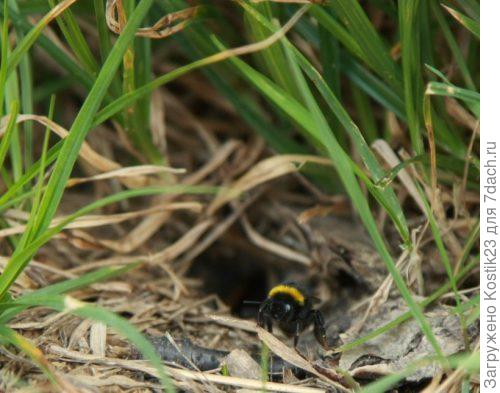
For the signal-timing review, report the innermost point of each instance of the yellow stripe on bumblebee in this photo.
(288, 290)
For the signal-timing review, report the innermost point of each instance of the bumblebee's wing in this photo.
(314, 299)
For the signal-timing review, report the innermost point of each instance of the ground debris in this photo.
(396, 349)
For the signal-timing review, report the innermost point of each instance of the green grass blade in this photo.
(95, 313)
(4, 41)
(471, 98)
(352, 130)
(66, 286)
(371, 44)
(28, 175)
(374, 87)
(52, 50)
(28, 232)
(465, 21)
(9, 130)
(76, 41)
(410, 51)
(320, 132)
(273, 58)
(84, 119)
(29, 39)
(452, 43)
(335, 28)
(21, 256)
(9, 335)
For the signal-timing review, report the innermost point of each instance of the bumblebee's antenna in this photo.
(251, 302)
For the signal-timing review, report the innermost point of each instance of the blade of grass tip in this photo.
(34, 353)
(30, 38)
(343, 165)
(83, 121)
(464, 20)
(21, 256)
(28, 232)
(469, 97)
(96, 313)
(452, 43)
(410, 53)
(7, 136)
(66, 286)
(392, 173)
(407, 315)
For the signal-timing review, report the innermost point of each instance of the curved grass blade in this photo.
(83, 121)
(95, 313)
(390, 200)
(313, 122)
(21, 257)
(9, 335)
(470, 97)
(66, 286)
(371, 44)
(465, 21)
(30, 38)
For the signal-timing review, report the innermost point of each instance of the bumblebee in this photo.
(292, 309)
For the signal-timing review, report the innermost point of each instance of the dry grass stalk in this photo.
(116, 19)
(179, 374)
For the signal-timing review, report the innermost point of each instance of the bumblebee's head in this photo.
(280, 310)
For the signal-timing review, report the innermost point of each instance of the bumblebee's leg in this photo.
(319, 329)
(269, 325)
(262, 314)
(296, 335)
(263, 319)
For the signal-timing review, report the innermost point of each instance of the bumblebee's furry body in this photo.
(292, 309)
